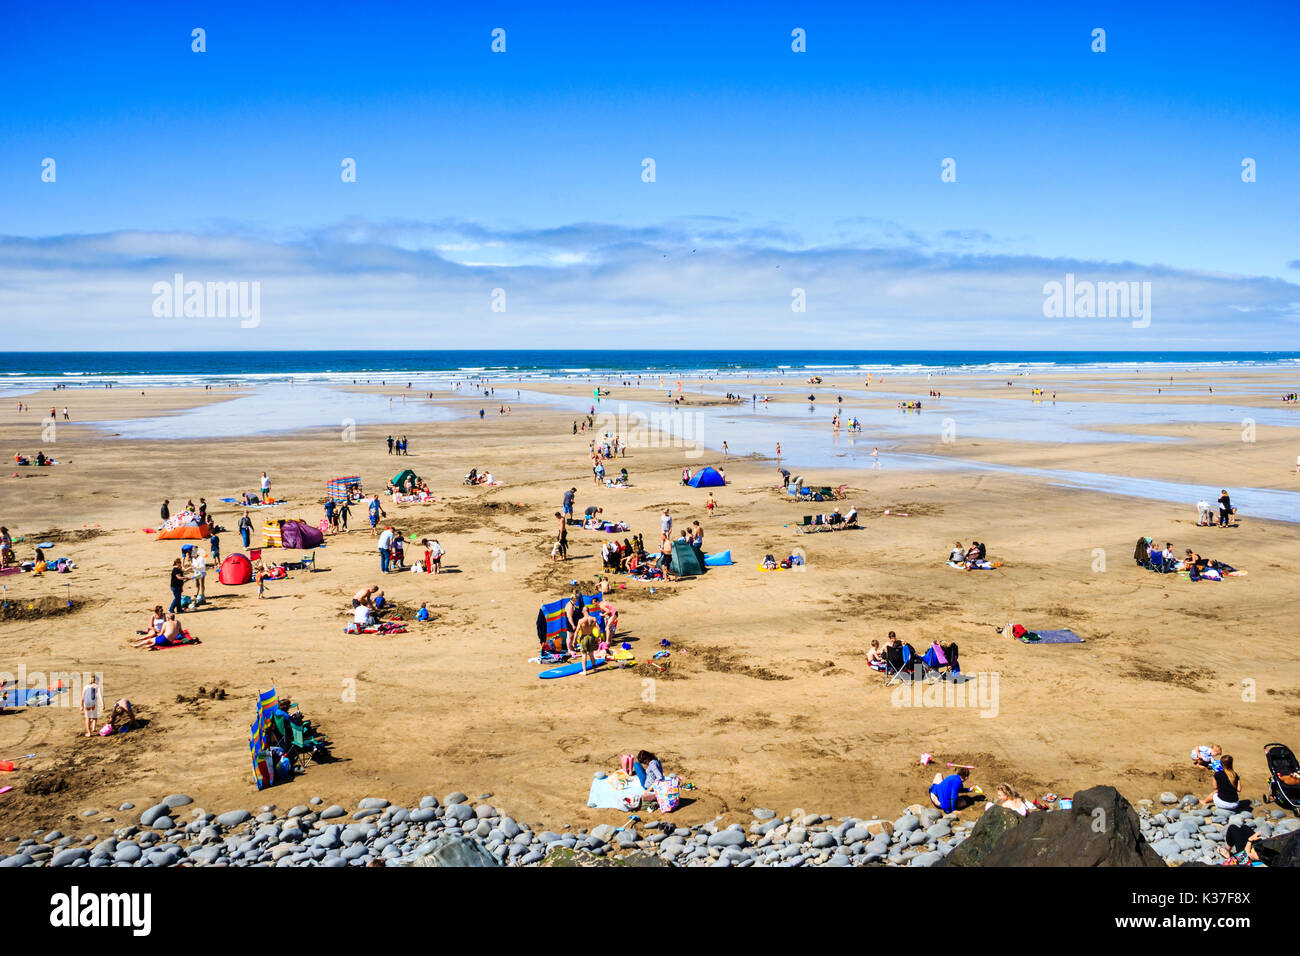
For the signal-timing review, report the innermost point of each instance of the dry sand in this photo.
(768, 701)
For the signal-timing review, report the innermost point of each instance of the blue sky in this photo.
(523, 170)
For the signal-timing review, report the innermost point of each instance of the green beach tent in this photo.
(399, 479)
(685, 561)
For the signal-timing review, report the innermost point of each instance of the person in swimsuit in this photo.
(90, 705)
(587, 637)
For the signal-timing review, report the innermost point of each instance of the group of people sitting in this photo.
(971, 559)
(163, 630)
(474, 478)
(900, 657)
(910, 406)
(410, 489)
(835, 521)
(622, 558)
(1147, 554)
(21, 459)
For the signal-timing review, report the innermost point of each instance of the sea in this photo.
(24, 370)
(288, 391)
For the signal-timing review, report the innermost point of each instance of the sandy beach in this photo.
(768, 700)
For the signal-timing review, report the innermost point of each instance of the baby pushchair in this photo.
(1282, 763)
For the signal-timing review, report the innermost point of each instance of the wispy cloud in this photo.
(687, 282)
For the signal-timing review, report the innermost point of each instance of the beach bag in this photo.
(106, 730)
(1018, 630)
(627, 763)
(668, 794)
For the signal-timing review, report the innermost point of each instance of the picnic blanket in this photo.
(977, 566)
(610, 792)
(1063, 636)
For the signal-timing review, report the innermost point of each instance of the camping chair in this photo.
(308, 562)
(254, 554)
(936, 660)
(826, 491)
(840, 494)
(806, 527)
(302, 744)
(897, 665)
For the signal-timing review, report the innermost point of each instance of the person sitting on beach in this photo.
(1009, 798)
(1227, 786)
(362, 616)
(875, 653)
(649, 770)
(171, 630)
(957, 554)
(1207, 756)
(851, 519)
(156, 621)
(950, 793)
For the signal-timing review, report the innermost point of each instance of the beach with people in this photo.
(752, 685)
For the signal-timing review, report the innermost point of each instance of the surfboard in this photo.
(566, 670)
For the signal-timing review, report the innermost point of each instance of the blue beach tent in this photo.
(706, 478)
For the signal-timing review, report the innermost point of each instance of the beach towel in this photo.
(617, 791)
(185, 640)
(1063, 636)
(31, 696)
(977, 566)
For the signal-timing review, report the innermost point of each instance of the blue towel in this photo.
(1064, 636)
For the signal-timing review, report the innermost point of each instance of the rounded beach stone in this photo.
(452, 799)
(178, 800)
(332, 812)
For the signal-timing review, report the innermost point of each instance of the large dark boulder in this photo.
(450, 851)
(1280, 851)
(1101, 830)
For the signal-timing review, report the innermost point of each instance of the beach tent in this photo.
(686, 562)
(184, 525)
(550, 619)
(236, 569)
(295, 533)
(706, 478)
(337, 488)
(399, 479)
(185, 531)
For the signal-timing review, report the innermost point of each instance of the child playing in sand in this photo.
(1207, 756)
(261, 584)
(710, 504)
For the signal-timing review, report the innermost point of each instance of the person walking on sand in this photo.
(199, 565)
(65, 413)
(724, 451)
(245, 529)
(177, 585)
(710, 504)
(90, 704)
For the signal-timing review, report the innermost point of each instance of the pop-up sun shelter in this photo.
(299, 534)
(686, 562)
(337, 488)
(236, 569)
(183, 525)
(706, 478)
(399, 479)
